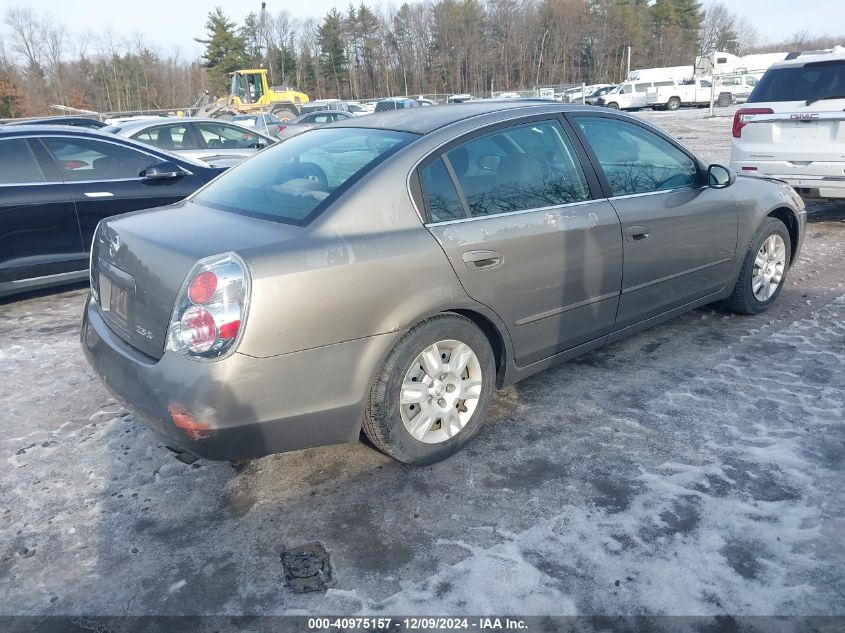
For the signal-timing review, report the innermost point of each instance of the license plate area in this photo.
(116, 294)
(114, 298)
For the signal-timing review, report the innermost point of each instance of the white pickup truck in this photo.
(691, 92)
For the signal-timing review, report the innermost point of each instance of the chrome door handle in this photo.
(637, 233)
(482, 260)
(98, 194)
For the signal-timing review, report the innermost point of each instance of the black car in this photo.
(57, 183)
(76, 121)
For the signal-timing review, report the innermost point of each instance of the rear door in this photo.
(173, 137)
(680, 235)
(516, 215)
(39, 231)
(105, 179)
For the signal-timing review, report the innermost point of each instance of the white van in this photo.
(631, 95)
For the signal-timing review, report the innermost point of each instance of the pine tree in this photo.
(333, 51)
(225, 49)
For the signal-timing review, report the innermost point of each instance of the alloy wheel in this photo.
(440, 391)
(769, 266)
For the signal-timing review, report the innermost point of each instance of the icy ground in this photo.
(696, 468)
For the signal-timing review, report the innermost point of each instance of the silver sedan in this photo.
(209, 140)
(388, 272)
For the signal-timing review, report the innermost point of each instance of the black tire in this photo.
(724, 100)
(284, 112)
(382, 420)
(742, 300)
(612, 105)
(673, 104)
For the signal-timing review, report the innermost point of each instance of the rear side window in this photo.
(292, 182)
(441, 199)
(169, 137)
(17, 164)
(523, 167)
(817, 80)
(636, 160)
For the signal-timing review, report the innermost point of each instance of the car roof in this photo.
(40, 129)
(837, 53)
(36, 131)
(426, 120)
(50, 120)
(136, 125)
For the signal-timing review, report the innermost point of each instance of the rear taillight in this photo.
(210, 310)
(282, 127)
(744, 115)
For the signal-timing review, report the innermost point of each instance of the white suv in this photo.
(793, 125)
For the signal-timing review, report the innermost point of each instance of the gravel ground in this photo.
(694, 469)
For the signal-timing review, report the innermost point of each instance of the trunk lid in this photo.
(139, 262)
(797, 132)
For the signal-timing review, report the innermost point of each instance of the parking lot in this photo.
(695, 468)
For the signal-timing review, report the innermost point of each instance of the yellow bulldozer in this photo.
(251, 93)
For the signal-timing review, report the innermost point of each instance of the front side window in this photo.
(626, 90)
(86, 159)
(636, 160)
(221, 136)
(522, 167)
(292, 182)
(17, 164)
(169, 137)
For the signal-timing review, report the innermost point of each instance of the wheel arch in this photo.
(494, 335)
(785, 215)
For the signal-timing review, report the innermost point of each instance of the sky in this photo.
(172, 24)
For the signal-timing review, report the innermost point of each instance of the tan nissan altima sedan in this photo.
(390, 271)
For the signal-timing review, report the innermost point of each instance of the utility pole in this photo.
(629, 63)
(266, 36)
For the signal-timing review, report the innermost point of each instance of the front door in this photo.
(105, 179)
(514, 212)
(679, 234)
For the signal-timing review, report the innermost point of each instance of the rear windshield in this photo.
(801, 83)
(293, 181)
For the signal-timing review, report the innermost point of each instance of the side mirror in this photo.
(720, 177)
(164, 171)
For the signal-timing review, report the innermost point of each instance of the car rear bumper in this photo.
(815, 180)
(239, 407)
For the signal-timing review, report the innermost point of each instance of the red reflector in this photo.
(749, 169)
(282, 127)
(230, 330)
(203, 287)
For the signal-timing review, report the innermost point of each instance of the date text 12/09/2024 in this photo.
(417, 624)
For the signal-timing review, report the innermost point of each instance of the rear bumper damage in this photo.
(239, 407)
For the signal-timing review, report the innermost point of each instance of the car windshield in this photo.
(293, 182)
(809, 82)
